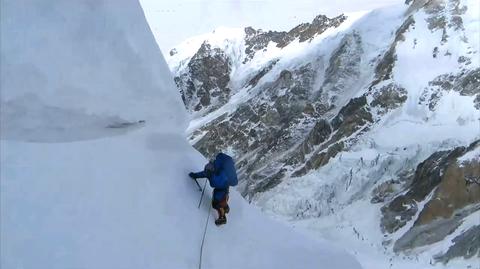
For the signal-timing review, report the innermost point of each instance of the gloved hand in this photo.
(192, 175)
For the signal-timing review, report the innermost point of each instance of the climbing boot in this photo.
(221, 220)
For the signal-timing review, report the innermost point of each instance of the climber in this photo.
(221, 174)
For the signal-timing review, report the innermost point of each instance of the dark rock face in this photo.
(429, 173)
(466, 245)
(467, 83)
(307, 31)
(257, 40)
(453, 192)
(354, 111)
(389, 97)
(452, 199)
(319, 134)
(397, 214)
(435, 231)
(204, 86)
(439, 19)
(427, 176)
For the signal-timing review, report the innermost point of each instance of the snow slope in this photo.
(94, 156)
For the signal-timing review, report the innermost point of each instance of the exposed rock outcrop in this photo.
(204, 85)
(466, 83)
(257, 40)
(450, 199)
(465, 245)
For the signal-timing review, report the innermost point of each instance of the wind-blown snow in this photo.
(94, 156)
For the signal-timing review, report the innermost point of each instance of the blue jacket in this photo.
(217, 181)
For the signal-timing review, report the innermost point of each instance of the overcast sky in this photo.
(173, 21)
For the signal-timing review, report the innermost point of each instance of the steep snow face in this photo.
(94, 157)
(126, 202)
(67, 76)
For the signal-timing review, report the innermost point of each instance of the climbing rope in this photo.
(206, 225)
(203, 191)
(203, 239)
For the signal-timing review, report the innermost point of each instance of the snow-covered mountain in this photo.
(363, 128)
(94, 157)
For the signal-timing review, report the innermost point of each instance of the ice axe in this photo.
(199, 188)
(194, 179)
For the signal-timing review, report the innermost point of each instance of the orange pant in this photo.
(220, 204)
